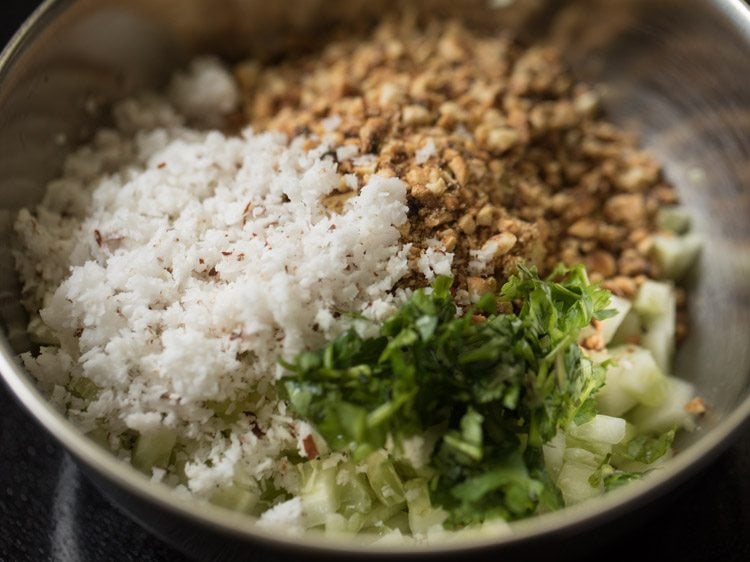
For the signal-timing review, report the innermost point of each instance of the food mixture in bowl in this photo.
(410, 284)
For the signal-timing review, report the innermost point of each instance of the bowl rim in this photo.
(561, 523)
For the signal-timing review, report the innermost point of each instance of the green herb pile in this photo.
(493, 386)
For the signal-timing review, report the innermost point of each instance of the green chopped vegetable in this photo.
(318, 492)
(668, 415)
(647, 449)
(675, 219)
(500, 388)
(633, 377)
(676, 254)
(153, 449)
(384, 480)
(619, 478)
(422, 515)
(656, 304)
(84, 388)
(235, 498)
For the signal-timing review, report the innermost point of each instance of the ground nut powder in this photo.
(505, 157)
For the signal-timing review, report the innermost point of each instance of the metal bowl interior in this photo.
(676, 76)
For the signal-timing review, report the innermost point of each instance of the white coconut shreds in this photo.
(173, 267)
(435, 260)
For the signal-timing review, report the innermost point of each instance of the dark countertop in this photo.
(49, 511)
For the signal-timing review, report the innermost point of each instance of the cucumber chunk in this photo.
(384, 479)
(628, 330)
(597, 448)
(318, 494)
(610, 325)
(99, 435)
(669, 414)
(612, 400)
(422, 515)
(153, 449)
(658, 338)
(354, 492)
(399, 522)
(381, 513)
(653, 299)
(674, 219)
(83, 388)
(335, 524)
(676, 254)
(632, 378)
(583, 457)
(235, 498)
(600, 429)
(656, 304)
(574, 483)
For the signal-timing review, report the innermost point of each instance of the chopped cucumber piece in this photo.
(632, 378)
(669, 414)
(385, 535)
(355, 523)
(583, 457)
(656, 304)
(83, 388)
(610, 325)
(399, 522)
(381, 513)
(384, 479)
(630, 433)
(675, 219)
(597, 448)
(339, 498)
(676, 255)
(318, 493)
(629, 329)
(653, 299)
(153, 449)
(235, 498)
(574, 483)
(659, 339)
(336, 524)
(612, 400)
(601, 429)
(353, 491)
(422, 515)
(99, 435)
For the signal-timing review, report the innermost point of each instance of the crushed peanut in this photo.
(497, 145)
(696, 406)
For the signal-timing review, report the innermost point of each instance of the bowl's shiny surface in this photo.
(677, 75)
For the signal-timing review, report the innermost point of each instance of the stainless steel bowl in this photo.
(679, 74)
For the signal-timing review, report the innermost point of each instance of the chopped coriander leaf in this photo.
(647, 449)
(499, 388)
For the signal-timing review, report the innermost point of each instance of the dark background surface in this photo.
(49, 511)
